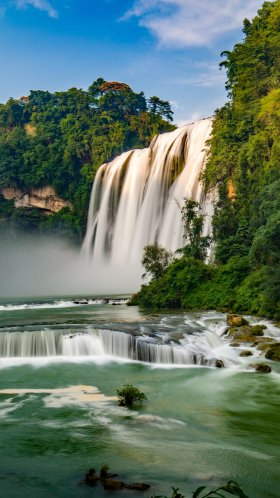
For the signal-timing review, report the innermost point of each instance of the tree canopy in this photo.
(243, 165)
(61, 138)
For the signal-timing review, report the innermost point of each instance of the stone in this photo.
(138, 486)
(234, 344)
(258, 329)
(261, 367)
(273, 352)
(263, 346)
(246, 353)
(236, 320)
(91, 477)
(219, 364)
(245, 333)
(113, 484)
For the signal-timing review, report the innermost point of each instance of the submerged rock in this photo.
(236, 320)
(91, 477)
(113, 484)
(138, 486)
(261, 367)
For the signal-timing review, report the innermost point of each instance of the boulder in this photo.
(113, 484)
(263, 346)
(234, 344)
(138, 486)
(261, 367)
(246, 353)
(273, 352)
(236, 320)
(258, 329)
(245, 333)
(219, 364)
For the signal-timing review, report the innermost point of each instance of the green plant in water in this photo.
(175, 494)
(231, 488)
(129, 394)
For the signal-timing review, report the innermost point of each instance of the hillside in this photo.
(51, 145)
(244, 164)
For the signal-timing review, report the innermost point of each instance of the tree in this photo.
(197, 244)
(156, 260)
(161, 107)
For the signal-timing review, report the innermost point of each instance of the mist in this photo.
(40, 266)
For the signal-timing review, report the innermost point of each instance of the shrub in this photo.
(128, 394)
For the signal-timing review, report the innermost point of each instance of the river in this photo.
(200, 425)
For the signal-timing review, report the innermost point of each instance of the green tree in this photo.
(156, 260)
(196, 243)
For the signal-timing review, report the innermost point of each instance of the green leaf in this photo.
(198, 491)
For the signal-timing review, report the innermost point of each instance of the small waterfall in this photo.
(99, 342)
(136, 201)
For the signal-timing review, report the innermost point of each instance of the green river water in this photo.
(200, 425)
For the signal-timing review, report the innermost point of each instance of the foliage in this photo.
(231, 488)
(245, 151)
(61, 138)
(129, 394)
(196, 244)
(243, 167)
(155, 260)
(175, 494)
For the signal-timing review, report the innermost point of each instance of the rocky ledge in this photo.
(241, 333)
(44, 198)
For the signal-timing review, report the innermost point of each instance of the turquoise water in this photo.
(199, 426)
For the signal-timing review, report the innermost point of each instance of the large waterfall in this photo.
(136, 201)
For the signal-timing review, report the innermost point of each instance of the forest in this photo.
(243, 164)
(60, 139)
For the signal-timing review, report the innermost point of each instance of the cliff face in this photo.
(44, 198)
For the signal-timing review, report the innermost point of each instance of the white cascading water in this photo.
(136, 200)
(194, 349)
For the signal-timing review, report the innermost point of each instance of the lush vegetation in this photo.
(244, 165)
(60, 139)
(129, 394)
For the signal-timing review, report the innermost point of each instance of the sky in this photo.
(168, 48)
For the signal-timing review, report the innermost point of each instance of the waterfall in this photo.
(136, 201)
(91, 343)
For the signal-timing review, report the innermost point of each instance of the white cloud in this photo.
(204, 75)
(43, 5)
(182, 23)
(196, 116)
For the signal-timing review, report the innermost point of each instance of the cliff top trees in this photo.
(61, 138)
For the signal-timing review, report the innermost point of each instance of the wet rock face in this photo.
(236, 320)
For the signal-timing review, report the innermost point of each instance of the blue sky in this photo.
(168, 48)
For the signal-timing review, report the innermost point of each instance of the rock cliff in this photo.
(44, 198)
